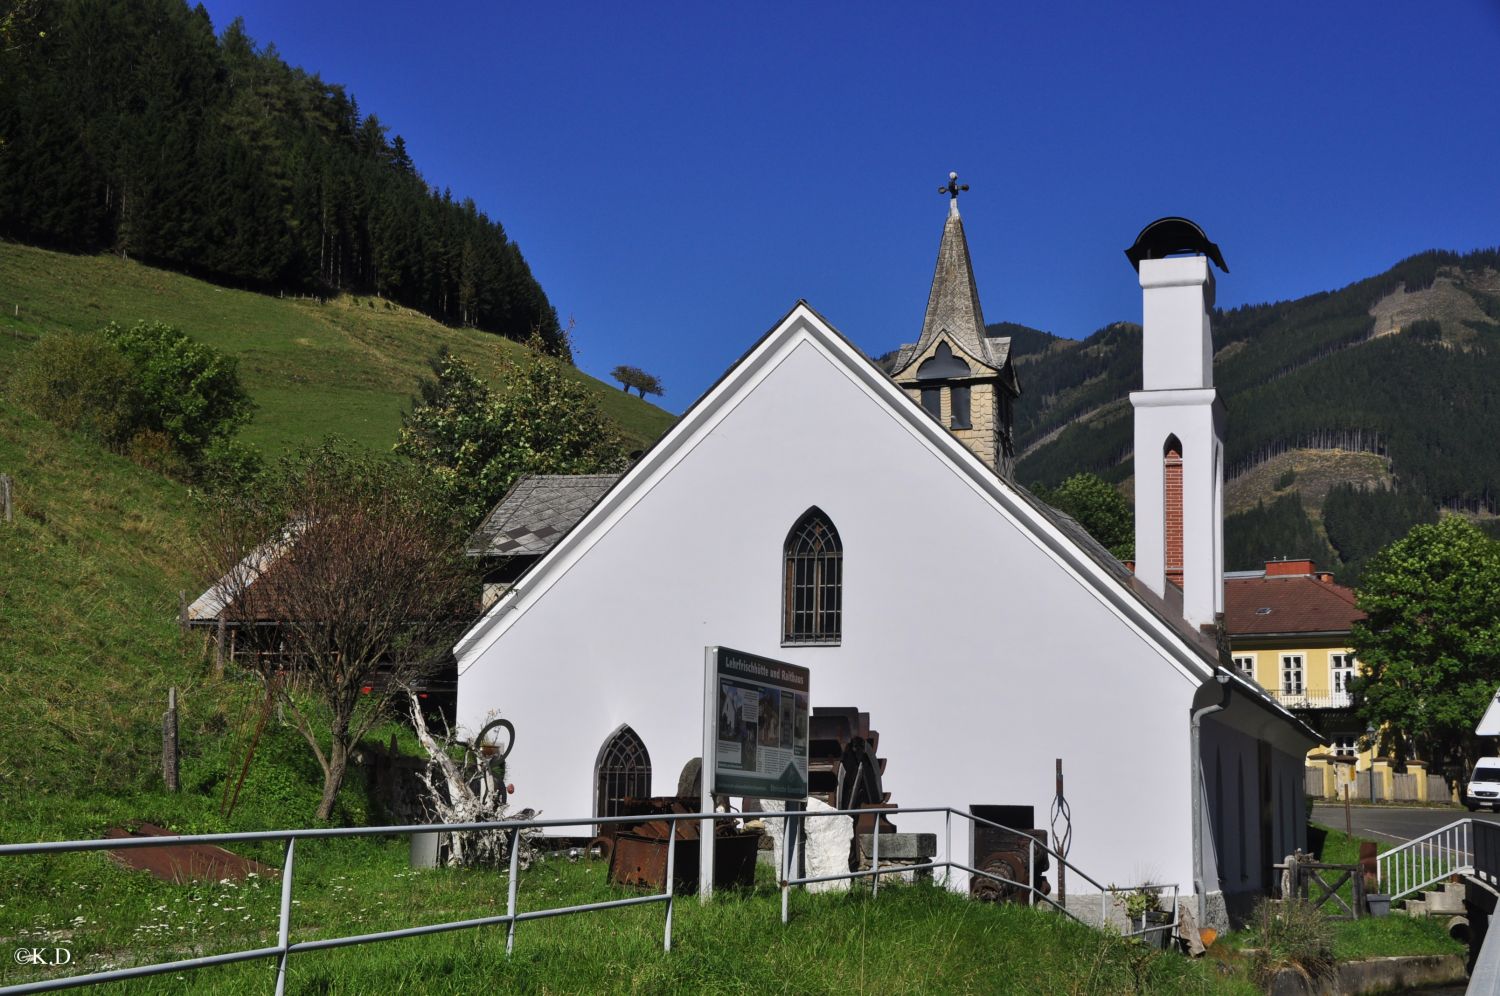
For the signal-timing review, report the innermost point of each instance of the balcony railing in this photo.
(1312, 700)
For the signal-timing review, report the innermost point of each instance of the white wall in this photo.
(979, 658)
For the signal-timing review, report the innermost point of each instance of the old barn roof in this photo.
(536, 512)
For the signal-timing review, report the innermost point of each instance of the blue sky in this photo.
(678, 175)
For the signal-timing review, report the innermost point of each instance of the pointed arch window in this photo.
(813, 597)
(621, 771)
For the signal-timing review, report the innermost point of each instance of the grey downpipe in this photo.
(1199, 886)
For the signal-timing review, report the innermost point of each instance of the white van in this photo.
(1484, 785)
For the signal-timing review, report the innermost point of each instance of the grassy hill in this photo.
(348, 366)
(92, 567)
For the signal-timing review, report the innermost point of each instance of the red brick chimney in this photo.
(1172, 500)
(1288, 568)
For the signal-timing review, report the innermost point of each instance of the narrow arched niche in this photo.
(1171, 490)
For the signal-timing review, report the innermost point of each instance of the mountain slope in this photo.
(350, 365)
(1403, 367)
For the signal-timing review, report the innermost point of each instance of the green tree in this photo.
(1430, 649)
(1099, 508)
(191, 393)
(477, 441)
(637, 378)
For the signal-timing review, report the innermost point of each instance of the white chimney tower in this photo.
(1179, 422)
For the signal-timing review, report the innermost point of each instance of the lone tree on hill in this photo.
(637, 378)
(476, 442)
(1430, 649)
(345, 582)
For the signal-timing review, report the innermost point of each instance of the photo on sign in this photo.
(770, 717)
(788, 718)
(739, 708)
(799, 720)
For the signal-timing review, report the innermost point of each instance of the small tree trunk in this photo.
(338, 761)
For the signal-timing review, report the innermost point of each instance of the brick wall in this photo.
(1172, 488)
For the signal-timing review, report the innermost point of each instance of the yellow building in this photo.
(1289, 631)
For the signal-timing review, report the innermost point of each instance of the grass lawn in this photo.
(910, 939)
(348, 366)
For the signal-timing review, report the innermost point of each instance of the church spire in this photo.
(953, 303)
(961, 377)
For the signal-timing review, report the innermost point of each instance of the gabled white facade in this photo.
(981, 639)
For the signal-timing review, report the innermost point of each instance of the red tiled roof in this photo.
(1299, 604)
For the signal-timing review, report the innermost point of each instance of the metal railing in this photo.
(792, 836)
(1464, 847)
(1312, 700)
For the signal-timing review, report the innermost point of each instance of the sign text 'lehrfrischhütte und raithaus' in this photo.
(761, 726)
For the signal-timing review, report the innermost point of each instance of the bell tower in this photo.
(962, 377)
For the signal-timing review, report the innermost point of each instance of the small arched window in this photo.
(813, 598)
(621, 771)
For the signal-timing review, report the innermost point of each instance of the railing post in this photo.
(875, 860)
(284, 929)
(510, 902)
(1031, 871)
(786, 858)
(948, 846)
(666, 943)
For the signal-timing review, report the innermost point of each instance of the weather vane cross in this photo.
(952, 189)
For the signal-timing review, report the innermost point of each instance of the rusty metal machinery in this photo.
(1008, 853)
(844, 769)
(637, 852)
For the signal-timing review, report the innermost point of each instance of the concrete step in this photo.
(1415, 907)
(1445, 901)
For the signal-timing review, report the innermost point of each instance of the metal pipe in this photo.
(666, 943)
(138, 971)
(284, 928)
(1031, 869)
(511, 887)
(786, 860)
(1199, 886)
(948, 846)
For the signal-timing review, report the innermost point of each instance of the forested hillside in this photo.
(131, 127)
(1404, 366)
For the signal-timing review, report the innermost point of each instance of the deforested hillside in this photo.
(1403, 368)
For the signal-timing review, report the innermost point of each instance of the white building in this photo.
(985, 633)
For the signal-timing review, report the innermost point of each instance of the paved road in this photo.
(1394, 823)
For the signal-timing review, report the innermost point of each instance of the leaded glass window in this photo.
(813, 599)
(621, 771)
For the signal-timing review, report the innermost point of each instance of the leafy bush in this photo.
(81, 383)
(150, 391)
(190, 392)
(1291, 934)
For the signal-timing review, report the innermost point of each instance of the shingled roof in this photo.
(1264, 604)
(536, 512)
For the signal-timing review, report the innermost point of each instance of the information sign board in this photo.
(758, 742)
